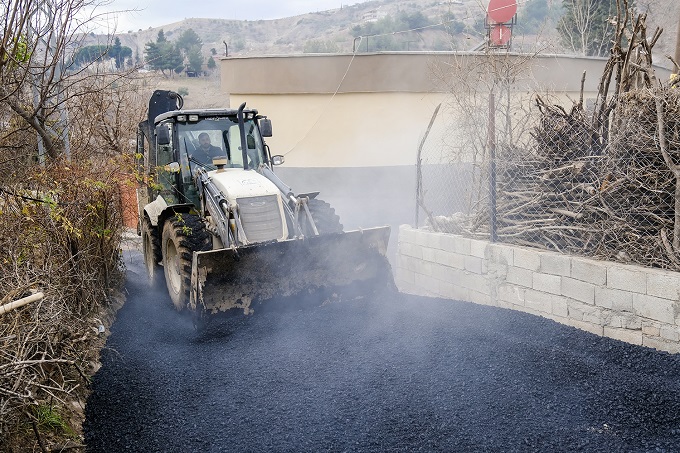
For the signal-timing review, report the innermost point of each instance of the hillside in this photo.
(290, 34)
(334, 30)
(464, 30)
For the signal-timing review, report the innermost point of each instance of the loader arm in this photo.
(218, 207)
(297, 203)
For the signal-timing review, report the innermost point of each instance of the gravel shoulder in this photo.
(404, 374)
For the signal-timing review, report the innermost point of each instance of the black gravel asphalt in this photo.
(391, 374)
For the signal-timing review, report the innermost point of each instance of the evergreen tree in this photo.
(171, 58)
(152, 55)
(195, 59)
(162, 55)
(211, 63)
(88, 54)
(119, 53)
(115, 50)
(533, 17)
(413, 20)
(188, 40)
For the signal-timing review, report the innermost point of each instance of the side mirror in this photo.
(266, 127)
(278, 159)
(162, 134)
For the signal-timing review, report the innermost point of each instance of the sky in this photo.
(136, 14)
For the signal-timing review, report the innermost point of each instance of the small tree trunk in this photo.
(661, 127)
(676, 226)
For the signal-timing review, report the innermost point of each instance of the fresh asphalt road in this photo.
(388, 374)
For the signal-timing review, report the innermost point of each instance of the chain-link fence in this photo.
(598, 180)
(454, 163)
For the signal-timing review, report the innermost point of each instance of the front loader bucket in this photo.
(235, 280)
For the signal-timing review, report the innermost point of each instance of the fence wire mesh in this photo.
(600, 180)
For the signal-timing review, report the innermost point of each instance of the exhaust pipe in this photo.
(242, 132)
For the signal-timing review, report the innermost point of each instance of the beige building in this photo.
(351, 125)
(337, 110)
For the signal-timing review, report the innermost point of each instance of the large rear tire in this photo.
(325, 218)
(151, 248)
(183, 235)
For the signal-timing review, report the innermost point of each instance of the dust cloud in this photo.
(363, 197)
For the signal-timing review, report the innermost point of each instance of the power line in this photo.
(354, 53)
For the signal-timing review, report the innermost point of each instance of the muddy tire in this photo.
(325, 218)
(151, 249)
(183, 235)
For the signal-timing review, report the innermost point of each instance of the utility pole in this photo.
(492, 167)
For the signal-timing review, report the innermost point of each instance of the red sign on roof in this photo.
(501, 11)
(500, 35)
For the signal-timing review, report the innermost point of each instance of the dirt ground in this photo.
(203, 92)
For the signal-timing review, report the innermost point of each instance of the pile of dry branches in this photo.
(602, 182)
(544, 192)
(642, 180)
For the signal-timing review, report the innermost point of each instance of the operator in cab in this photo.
(206, 151)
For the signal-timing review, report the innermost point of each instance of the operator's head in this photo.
(204, 140)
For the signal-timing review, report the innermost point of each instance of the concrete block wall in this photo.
(630, 303)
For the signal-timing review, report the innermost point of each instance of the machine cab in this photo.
(187, 140)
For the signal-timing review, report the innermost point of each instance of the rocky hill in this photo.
(334, 30)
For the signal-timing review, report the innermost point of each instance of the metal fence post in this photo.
(420, 203)
(492, 168)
